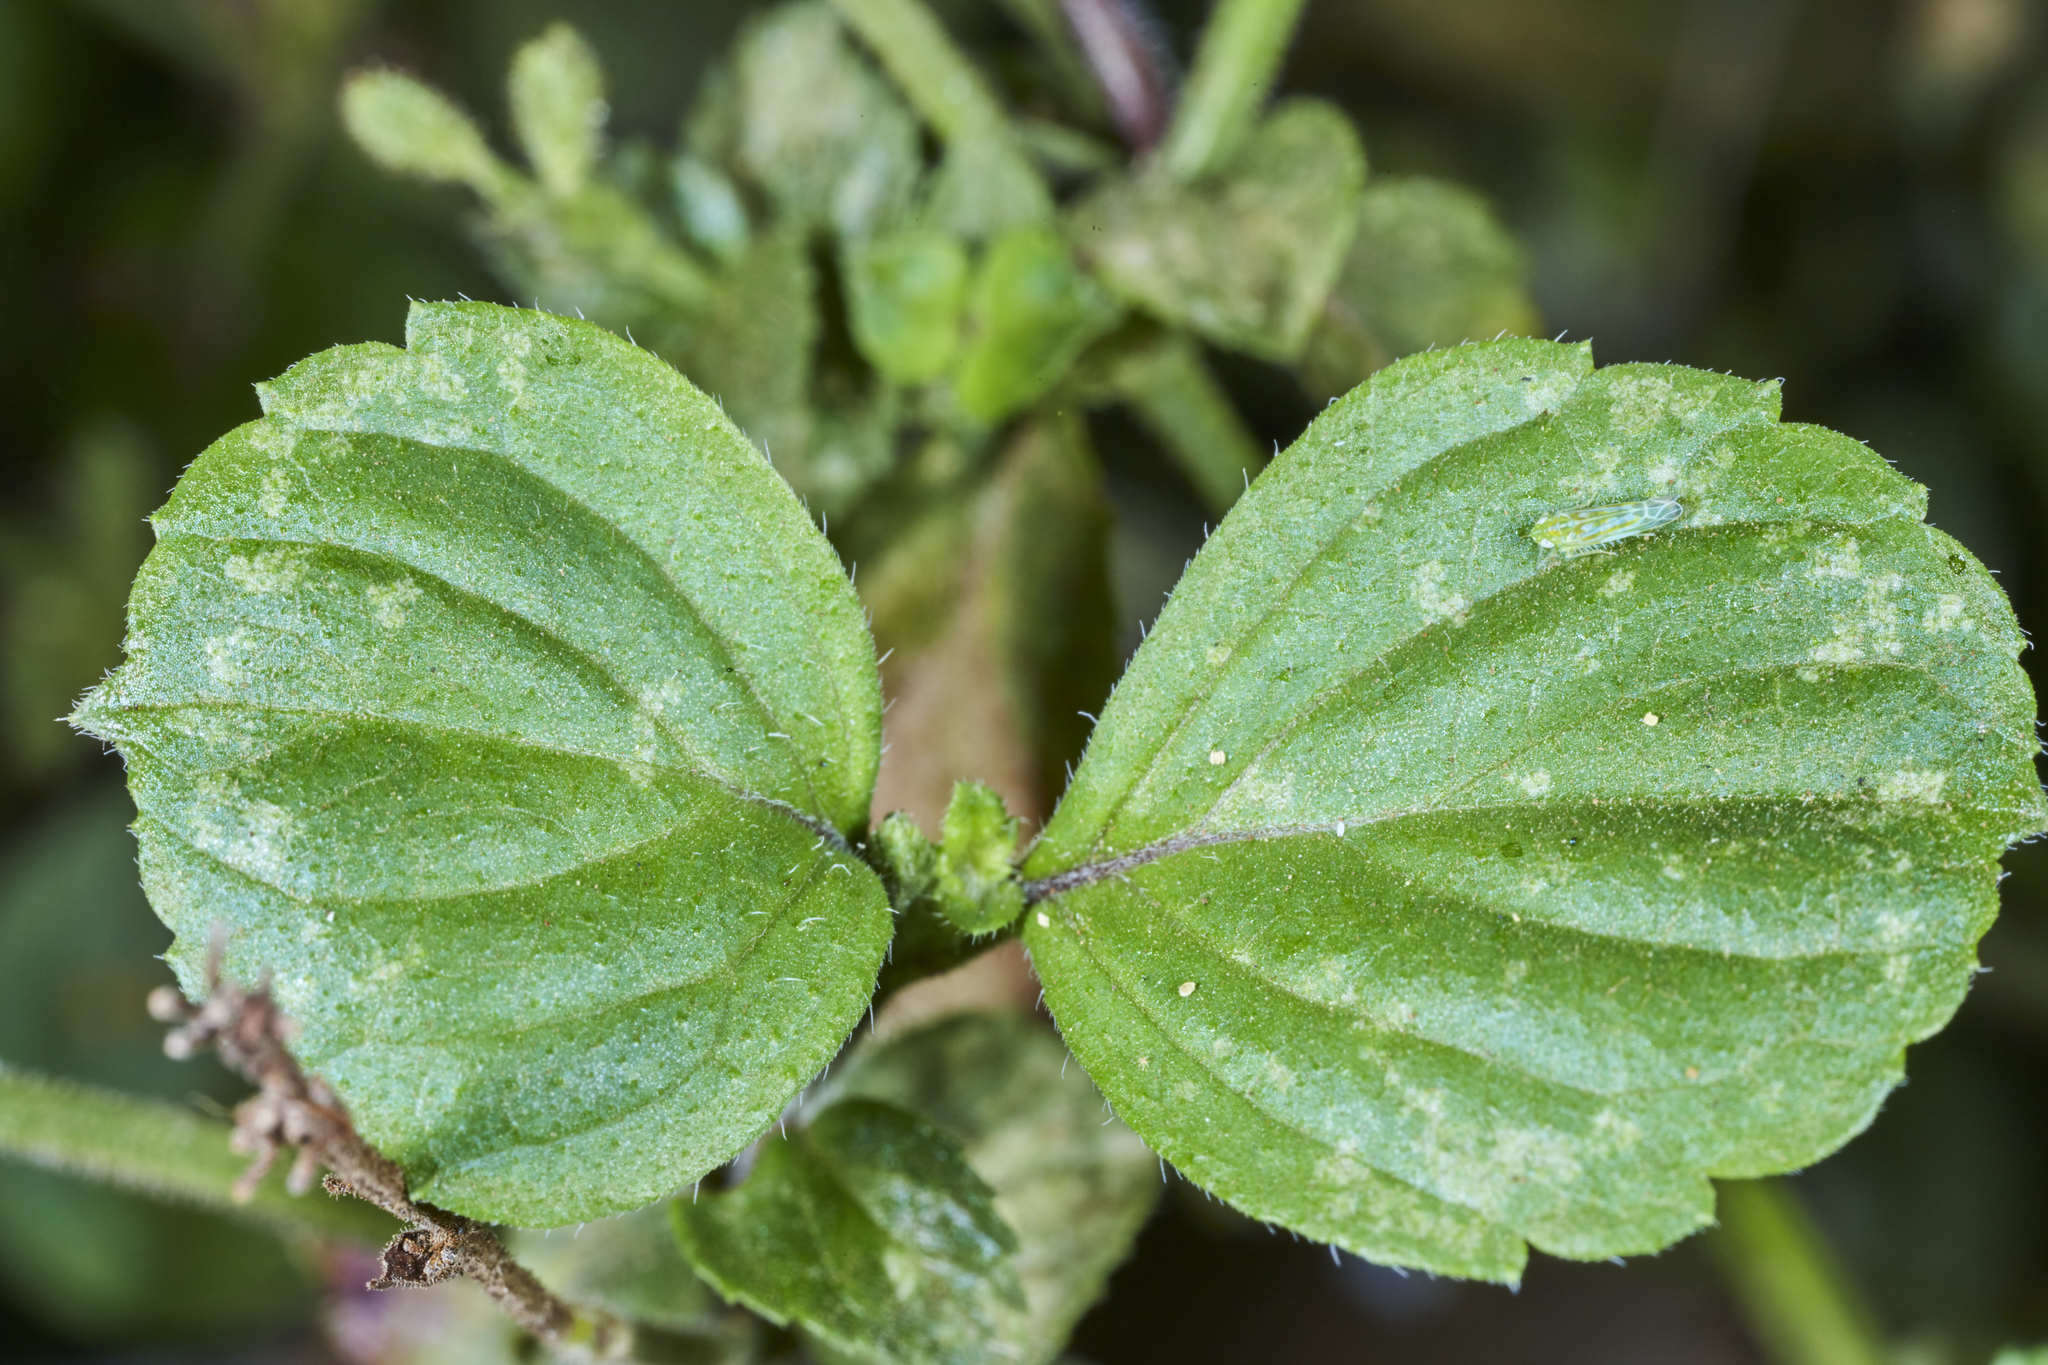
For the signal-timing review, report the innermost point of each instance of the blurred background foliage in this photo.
(1850, 195)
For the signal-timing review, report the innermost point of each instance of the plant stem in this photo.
(936, 76)
(1181, 404)
(292, 1111)
(158, 1149)
(1239, 56)
(1799, 1303)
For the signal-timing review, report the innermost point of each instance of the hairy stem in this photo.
(292, 1111)
(1799, 1304)
(158, 1149)
(1235, 66)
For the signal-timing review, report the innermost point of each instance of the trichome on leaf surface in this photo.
(1422, 890)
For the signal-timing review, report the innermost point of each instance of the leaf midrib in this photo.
(1192, 837)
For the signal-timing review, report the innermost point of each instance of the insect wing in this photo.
(1591, 527)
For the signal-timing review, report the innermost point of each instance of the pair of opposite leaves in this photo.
(1422, 892)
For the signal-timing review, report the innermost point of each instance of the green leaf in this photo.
(1430, 894)
(1036, 312)
(574, 242)
(751, 346)
(1431, 266)
(986, 183)
(504, 704)
(870, 1229)
(809, 121)
(985, 186)
(558, 107)
(597, 250)
(1006, 1136)
(570, 241)
(905, 293)
(755, 346)
(414, 129)
(1075, 1188)
(1245, 257)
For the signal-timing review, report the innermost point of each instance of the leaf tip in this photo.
(93, 714)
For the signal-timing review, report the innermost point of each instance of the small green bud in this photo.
(978, 888)
(909, 862)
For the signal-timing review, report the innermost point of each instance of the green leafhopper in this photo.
(1588, 528)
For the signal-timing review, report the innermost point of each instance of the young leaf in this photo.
(558, 107)
(752, 347)
(1037, 311)
(869, 1228)
(985, 184)
(1431, 266)
(502, 702)
(1246, 257)
(414, 129)
(1432, 894)
(709, 207)
(966, 885)
(596, 250)
(1074, 1188)
(809, 121)
(905, 292)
